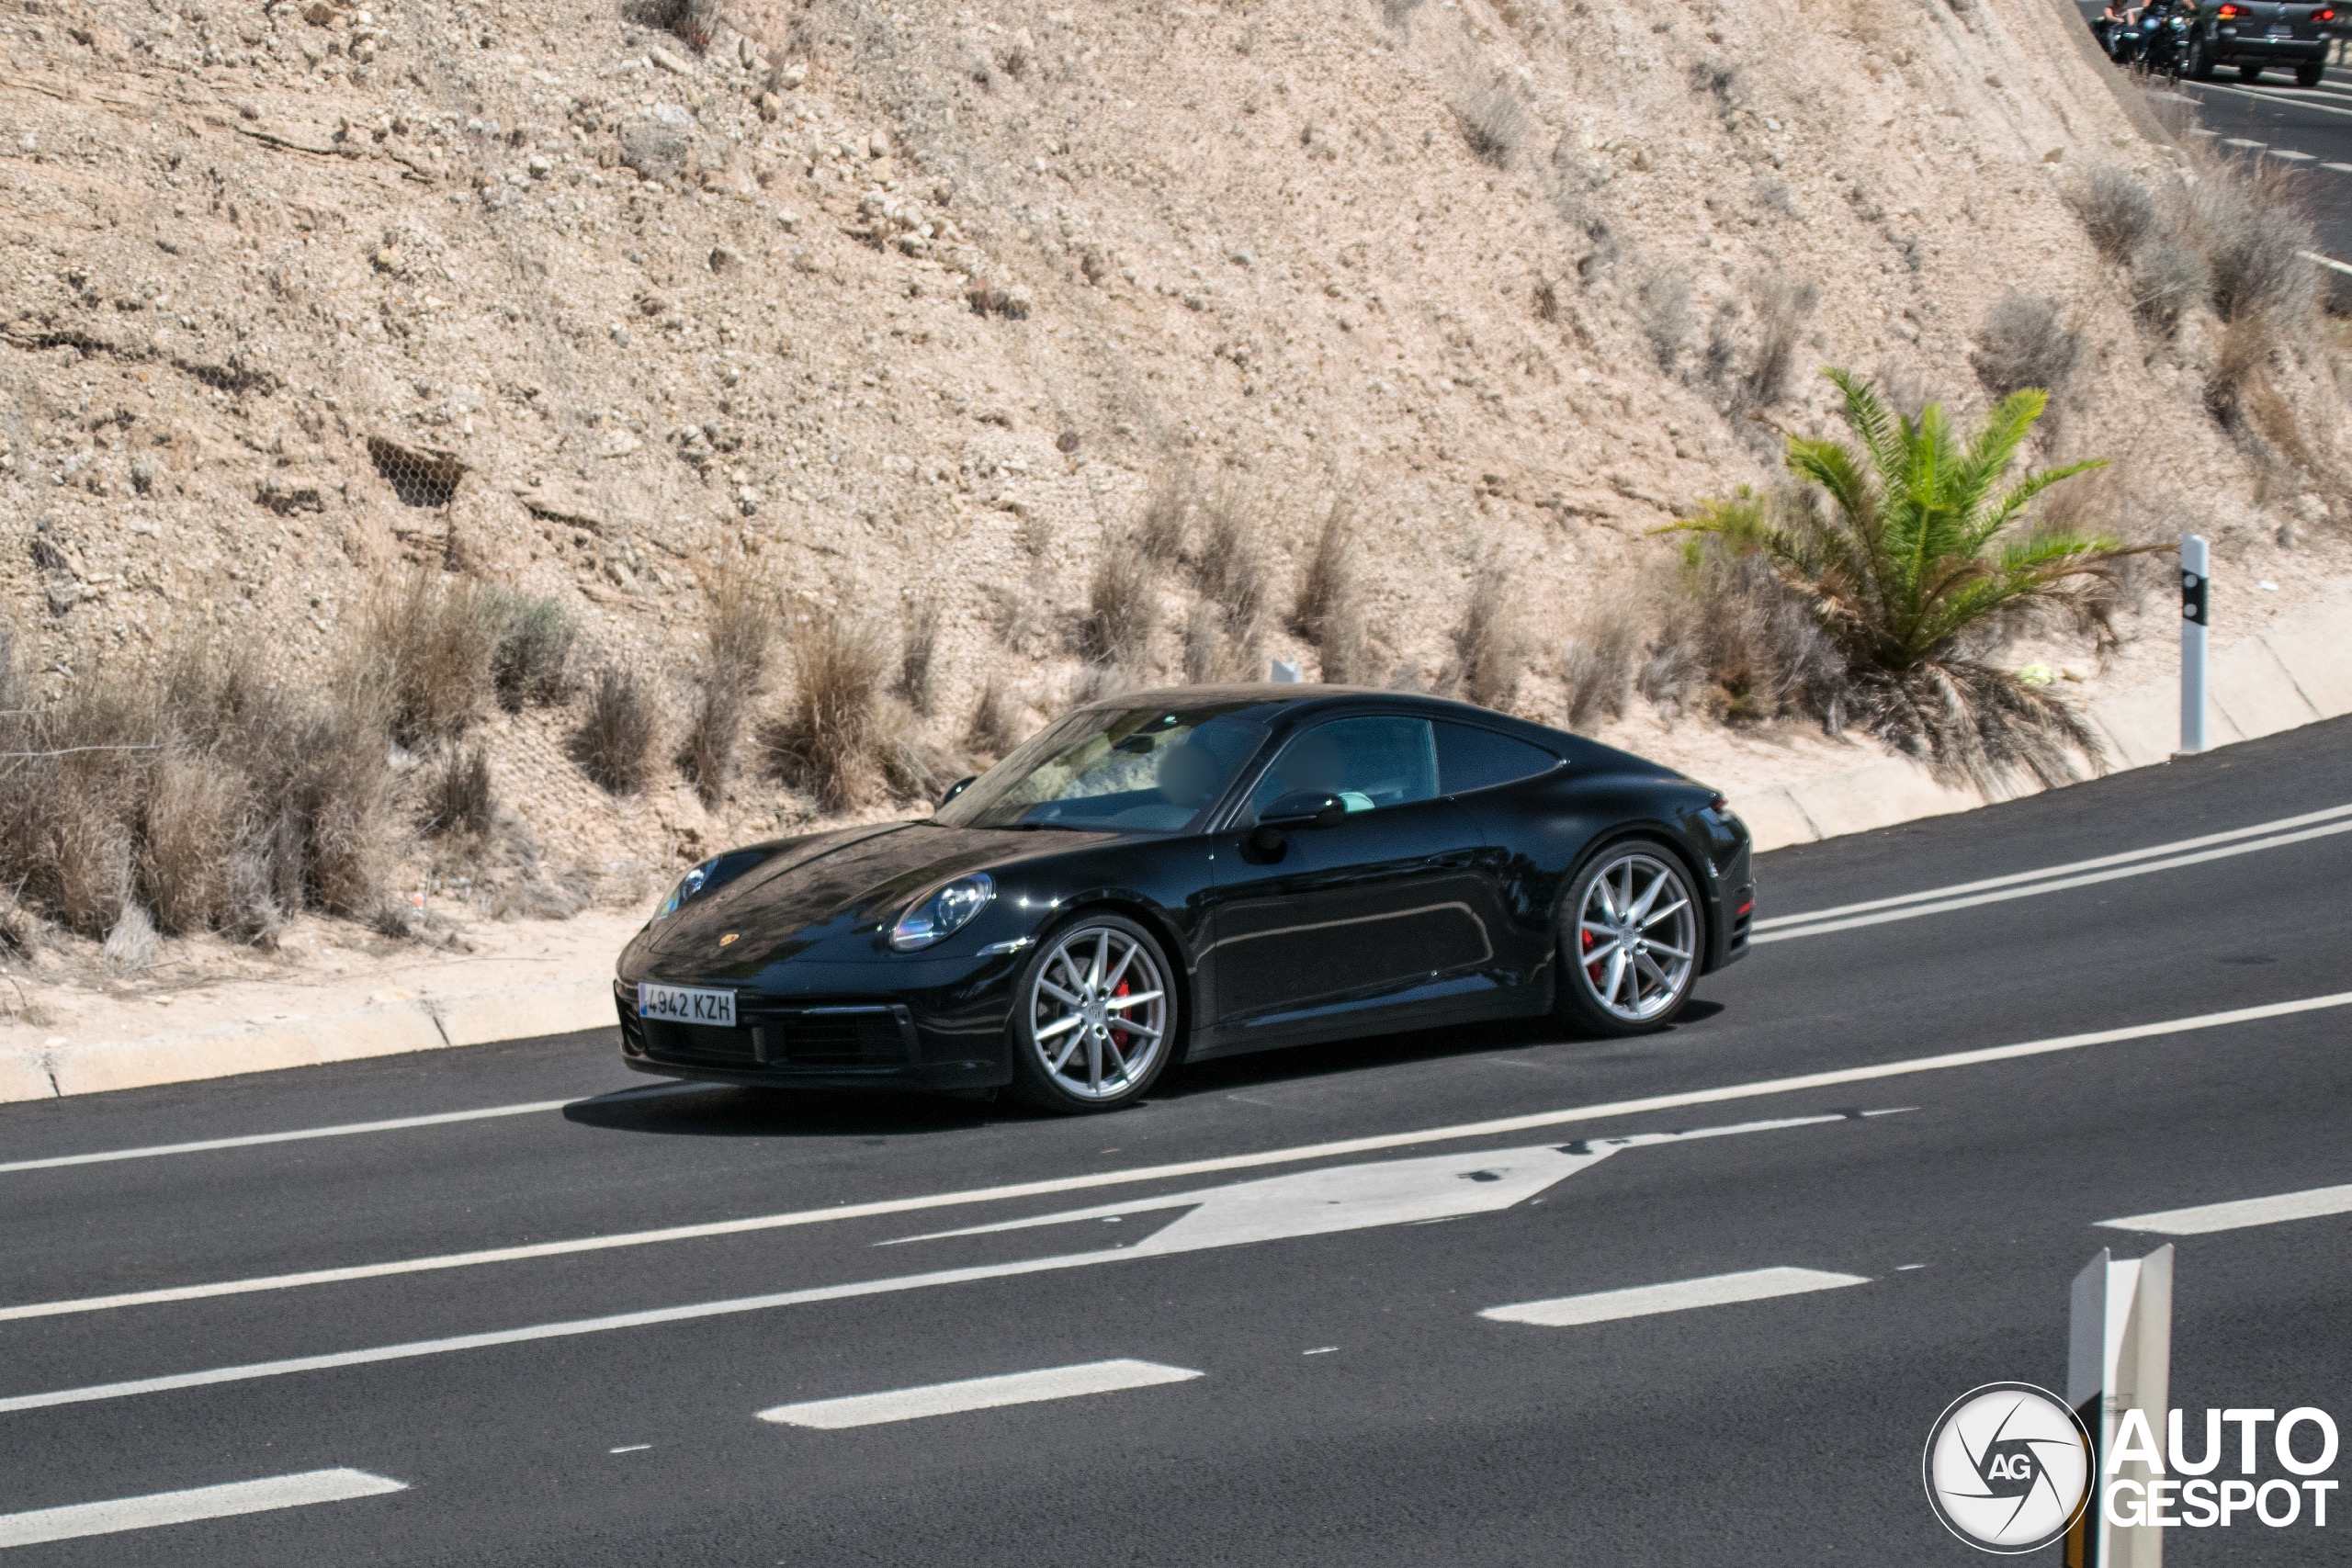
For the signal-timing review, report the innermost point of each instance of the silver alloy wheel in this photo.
(1637, 936)
(1098, 1013)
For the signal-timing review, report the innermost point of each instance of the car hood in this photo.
(831, 886)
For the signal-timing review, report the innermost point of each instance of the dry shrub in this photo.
(1780, 309)
(615, 743)
(912, 765)
(1162, 526)
(1494, 122)
(1230, 571)
(1203, 644)
(2167, 278)
(1328, 611)
(740, 643)
(1597, 664)
(435, 637)
(195, 808)
(2024, 342)
(826, 742)
(460, 799)
(1121, 607)
(531, 660)
(995, 726)
(1664, 302)
(2238, 358)
(918, 654)
(2116, 211)
(1732, 642)
(132, 945)
(1490, 649)
(2243, 222)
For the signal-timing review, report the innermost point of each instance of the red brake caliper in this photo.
(1584, 942)
(1117, 1032)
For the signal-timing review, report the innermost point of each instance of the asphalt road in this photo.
(1350, 1403)
(2307, 130)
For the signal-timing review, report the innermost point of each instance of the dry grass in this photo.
(1121, 607)
(2242, 221)
(1597, 664)
(459, 800)
(1778, 309)
(1664, 302)
(918, 655)
(2023, 341)
(434, 637)
(1493, 120)
(995, 726)
(1489, 648)
(1164, 525)
(615, 743)
(1229, 568)
(1328, 611)
(1203, 644)
(826, 743)
(2168, 279)
(530, 661)
(739, 646)
(2116, 211)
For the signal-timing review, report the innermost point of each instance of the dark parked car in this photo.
(2255, 34)
(1187, 874)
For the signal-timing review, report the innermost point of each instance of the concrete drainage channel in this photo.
(2297, 671)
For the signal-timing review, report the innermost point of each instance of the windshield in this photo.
(1151, 770)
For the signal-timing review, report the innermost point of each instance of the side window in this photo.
(1367, 762)
(1469, 758)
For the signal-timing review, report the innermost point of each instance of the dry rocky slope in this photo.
(880, 302)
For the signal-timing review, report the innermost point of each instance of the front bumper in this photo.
(940, 1027)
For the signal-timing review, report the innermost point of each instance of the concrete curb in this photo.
(2297, 671)
(427, 1024)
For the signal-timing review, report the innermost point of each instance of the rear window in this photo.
(1469, 758)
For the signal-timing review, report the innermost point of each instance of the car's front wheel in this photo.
(1094, 1017)
(2200, 60)
(1630, 942)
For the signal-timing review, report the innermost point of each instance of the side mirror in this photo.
(1304, 808)
(958, 788)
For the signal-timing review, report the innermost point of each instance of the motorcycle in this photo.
(2118, 37)
(2163, 47)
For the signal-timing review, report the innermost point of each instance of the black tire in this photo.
(1117, 1079)
(2200, 60)
(1577, 999)
(2310, 73)
(2249, 73)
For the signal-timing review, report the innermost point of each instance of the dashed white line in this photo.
(1682, 1295)
(196, 1503)
(2273, 98)
(2338, 168)
(976, 1394)
(2283, 155)
(2206, 1218)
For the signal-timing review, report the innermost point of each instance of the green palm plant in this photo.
(1925, 558)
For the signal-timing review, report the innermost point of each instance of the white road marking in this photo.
(1818, 925)
(1642, 1301)
(2242, 141)
(2151, 851)
(2329, 263)
(1608, 1110)
(2338, 168)
(2310, 104)
(2286, 156)
(976, 1394)
(196, 1503)
(2208, 1217)
(349, 1129)
(629, 1449)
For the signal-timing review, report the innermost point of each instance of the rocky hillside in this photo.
(904, 312)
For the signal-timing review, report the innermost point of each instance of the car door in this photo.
(1314, 929)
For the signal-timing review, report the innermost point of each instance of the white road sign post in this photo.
(2119, 1360)
(2194, 562)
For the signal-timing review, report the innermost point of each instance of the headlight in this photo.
(945, 912)
(688, 886)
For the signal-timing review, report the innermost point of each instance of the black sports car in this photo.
(1179, 875)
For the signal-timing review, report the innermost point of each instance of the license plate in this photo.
(2277, 31)
(684, 1004)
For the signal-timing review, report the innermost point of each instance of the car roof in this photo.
(1282, 705)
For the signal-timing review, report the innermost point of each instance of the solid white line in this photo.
(196, 1503)
(1642, 1301)
(348, 1129)
(2209, 1217)
(2058, 884)
(2315, 256)
(976, 1394)
(2102, 861)
(2272, 97)
(2338, 168)
(1150, 1173)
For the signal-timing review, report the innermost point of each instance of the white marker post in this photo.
(2194, 563)
(2118, 1358)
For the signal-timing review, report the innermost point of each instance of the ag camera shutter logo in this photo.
(2007, 1468)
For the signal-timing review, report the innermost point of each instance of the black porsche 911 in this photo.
(1173, 875)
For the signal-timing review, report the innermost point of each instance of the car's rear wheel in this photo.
(2249, 73)
(2310, 73)
(2200, 60)
(1631, 940)
(1094, 1017)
